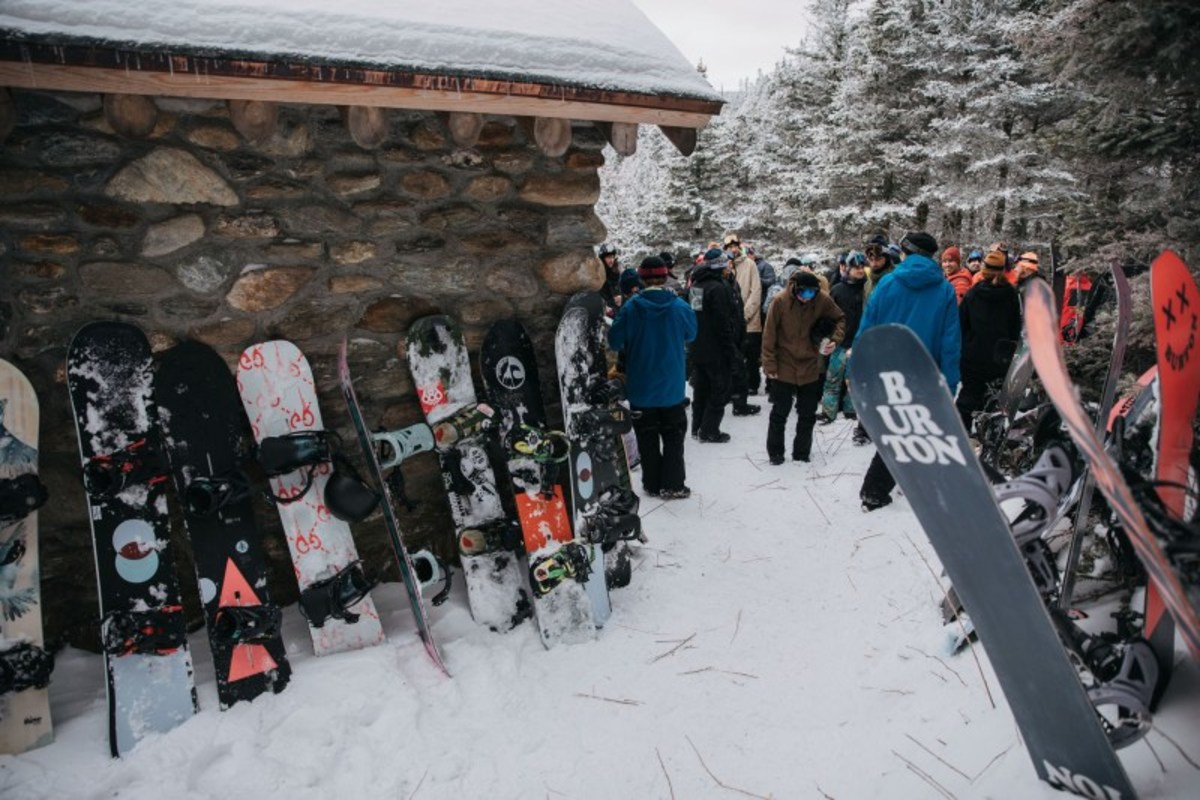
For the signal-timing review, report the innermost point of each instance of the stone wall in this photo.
(194, 232)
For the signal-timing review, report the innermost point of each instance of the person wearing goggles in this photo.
(1027, 266)
(803, 325)
(975, 261)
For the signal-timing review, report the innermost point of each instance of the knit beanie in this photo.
(995, 261)
(952, 253)
(653, 267)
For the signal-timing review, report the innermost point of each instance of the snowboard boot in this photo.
(714, 438)
(746, 410)
(682, 493)
(860, 436)
(872, 502)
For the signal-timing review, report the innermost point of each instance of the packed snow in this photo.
(588, 43)
(776, 642)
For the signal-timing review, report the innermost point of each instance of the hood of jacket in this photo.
(919, 272)
(653, 300)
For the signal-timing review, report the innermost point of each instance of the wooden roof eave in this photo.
(109, 70)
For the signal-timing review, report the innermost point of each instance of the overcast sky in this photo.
(735, 38)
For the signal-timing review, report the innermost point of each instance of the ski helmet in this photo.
(607, 249)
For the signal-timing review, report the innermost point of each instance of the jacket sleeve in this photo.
(690, 327)
(751, 288)
(834, 312)
(768, 340)
(951, 341)
(868, 316)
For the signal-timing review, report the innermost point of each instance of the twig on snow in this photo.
(1154, 753)
(717, 780)
(852, 583)
(763, 485)
(940, 661)
(966, 636)
(618, 700)
(925, 776)
(824, 793)
(1186, 757)
(670, 785)
(751, 460)
(673, 650)
(914, 740)
(420, 783)
(903, 692)
(737, 626)
(988, 765)
(818, 505)
(721, 671)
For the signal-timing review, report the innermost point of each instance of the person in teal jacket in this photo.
(651, 331)
(915, 294)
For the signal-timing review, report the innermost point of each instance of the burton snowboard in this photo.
(1164, 548)
(24, 663)
(143, 630)
(489, 544)
(604, 505)
(412, 584)
(206, 442)
(903, 401)
(296, 453)
(536, 456)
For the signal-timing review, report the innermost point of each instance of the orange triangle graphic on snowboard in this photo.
(248, 660)
(235, 591)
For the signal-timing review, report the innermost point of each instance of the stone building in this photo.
(341, 174)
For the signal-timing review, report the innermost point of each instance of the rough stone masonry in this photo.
(195, 232)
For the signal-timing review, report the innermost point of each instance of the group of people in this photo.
(731, 319)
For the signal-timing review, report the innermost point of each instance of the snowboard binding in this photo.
(157, 632)
(602, 391)
(25, 666)
(572, 560)
(207, 497)
(429, 569)
(499, 534)
(392, 448)
(467, 423)
(544, 447)
(614, 518)
(248, 624)
(20, 497)
(347, 496)
(139, 463)
(332, 597)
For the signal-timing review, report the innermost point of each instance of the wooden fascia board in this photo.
(121, 72)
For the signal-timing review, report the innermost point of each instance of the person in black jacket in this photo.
(714, 352)
(848, 294)
(990, 319)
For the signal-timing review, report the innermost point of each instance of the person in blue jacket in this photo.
(651, 330)
(915, 294)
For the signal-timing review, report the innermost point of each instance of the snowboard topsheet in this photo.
(277, 389)
(903, 401)
(110, 377)
(411, 585)
(508, 365)
(437, 358)
(205, 438)
(24, 715)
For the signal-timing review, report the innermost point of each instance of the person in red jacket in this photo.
(958, 276)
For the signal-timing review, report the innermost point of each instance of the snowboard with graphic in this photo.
(412, 585)
(1154, 545)
(147, 662)
(207, 446)
(24, 700)
(280, 399)
(604, 505)
(536, 457)
(489, 544)
(904, 402)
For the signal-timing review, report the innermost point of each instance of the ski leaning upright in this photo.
(904, 403)
(24, 664)
(559, 566)
(411, 585)
(143, 631)
(205, 438)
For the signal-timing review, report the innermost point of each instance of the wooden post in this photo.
(255, 120)
(684, 139)
(130, 115)
(8, 114)
(621, 135)
(464, 127)
(552, 134)
(368, 126)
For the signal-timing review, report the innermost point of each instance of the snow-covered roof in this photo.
(606, 45)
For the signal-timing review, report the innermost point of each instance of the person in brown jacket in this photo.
(749, 286)
(802, 325)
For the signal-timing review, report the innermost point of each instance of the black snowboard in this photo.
(148, 665)
(904, 403)
(206, 440)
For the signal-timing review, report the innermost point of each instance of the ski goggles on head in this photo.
(873, 251)
(806, 293)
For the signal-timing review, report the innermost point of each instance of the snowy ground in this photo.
(776, 642)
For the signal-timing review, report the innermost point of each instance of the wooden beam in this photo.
(504, 100)
(130, 115)
(552, 134)
(622, 136)
(255, 120)
(368, 126)
(464, 127)
(8, 114)
(684, 139)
